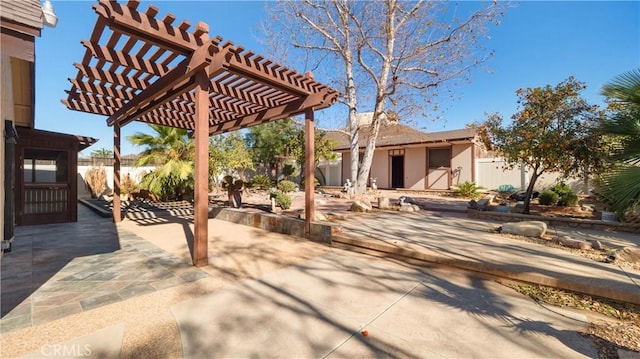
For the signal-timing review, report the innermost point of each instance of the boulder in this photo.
(383, 203)
(574, 243)
(415, 207)
(361, 206)
(405, 208)
(525, 228)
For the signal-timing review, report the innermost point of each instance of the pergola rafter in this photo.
(138, 67)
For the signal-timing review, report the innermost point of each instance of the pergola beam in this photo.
(164, 89)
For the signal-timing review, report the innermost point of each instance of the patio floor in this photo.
(61, 269)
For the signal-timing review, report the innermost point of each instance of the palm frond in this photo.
(625, 87)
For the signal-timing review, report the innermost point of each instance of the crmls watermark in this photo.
(66, 350)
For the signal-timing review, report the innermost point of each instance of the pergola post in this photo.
(309, 171)
(116, 173)
(201, 189)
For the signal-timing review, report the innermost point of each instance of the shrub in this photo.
(548, 198)
(96, 180)
(565, 194)
(506, 188)
(128, 185)
(261, 182)
(282, 200)
(468, 190)
(286, 186)
(316, 182)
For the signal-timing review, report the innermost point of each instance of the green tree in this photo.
(103, 152)
(271, 144)
(171, 152)
(548, 132)
(621, 184)
(228, 152)
(323, 149)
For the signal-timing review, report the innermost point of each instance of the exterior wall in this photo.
(346, 173)
(380, 168)
(490, 175)
(462, 163)
(415, 168)
(332, 172)
(135, 172)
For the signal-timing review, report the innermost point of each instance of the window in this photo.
(439, 157)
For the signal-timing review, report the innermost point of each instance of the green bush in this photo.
(261, 182)
(565, 194)
(282, 200)
(548, 198)
(316, 182)
(286, 186)
(468, 190)
(568, 199)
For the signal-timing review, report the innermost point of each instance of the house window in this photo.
(439, 157)
(399, 152)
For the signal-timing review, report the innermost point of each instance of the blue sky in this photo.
(537, 43)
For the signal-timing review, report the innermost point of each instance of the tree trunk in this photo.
(527, 198)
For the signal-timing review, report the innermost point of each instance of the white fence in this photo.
(136, 174)
(490, 174)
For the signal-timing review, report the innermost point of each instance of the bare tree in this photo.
(388, 54)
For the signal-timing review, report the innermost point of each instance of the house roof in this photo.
(401, 135)
(24, 12)
(140, 67)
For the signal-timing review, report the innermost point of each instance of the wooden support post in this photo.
(201, 190)
(117, 216)
(309, 171)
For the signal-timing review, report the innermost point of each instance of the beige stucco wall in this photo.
(415, 167)
(380, 168)
(462, 158)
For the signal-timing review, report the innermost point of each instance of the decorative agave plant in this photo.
(234, 190)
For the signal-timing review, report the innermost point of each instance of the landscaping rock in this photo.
(574, 243)
(597, 245)
(482, 204)
(319, 216)
(405, 200)
(525, 228)
(361, 206)
(383, 203)
(415, 207)
(405, 209)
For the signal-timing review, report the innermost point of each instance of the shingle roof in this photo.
(25, 12)
(396, 135)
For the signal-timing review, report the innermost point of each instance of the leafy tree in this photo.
(228, 152)
(103, 152)
(400, 54)
(547, 134)
(323, 149)
(276, 143)
(621, 184)
(270, 144)
(172, 152)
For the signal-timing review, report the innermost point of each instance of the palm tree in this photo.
(171, 151)
(621, 185)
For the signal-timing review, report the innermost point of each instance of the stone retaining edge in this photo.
(320, 232)
(422, 258)
(556, 221)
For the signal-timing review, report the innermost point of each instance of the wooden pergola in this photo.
(141, 68)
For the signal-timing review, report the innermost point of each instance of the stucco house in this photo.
(39, 174)
(407, 158)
